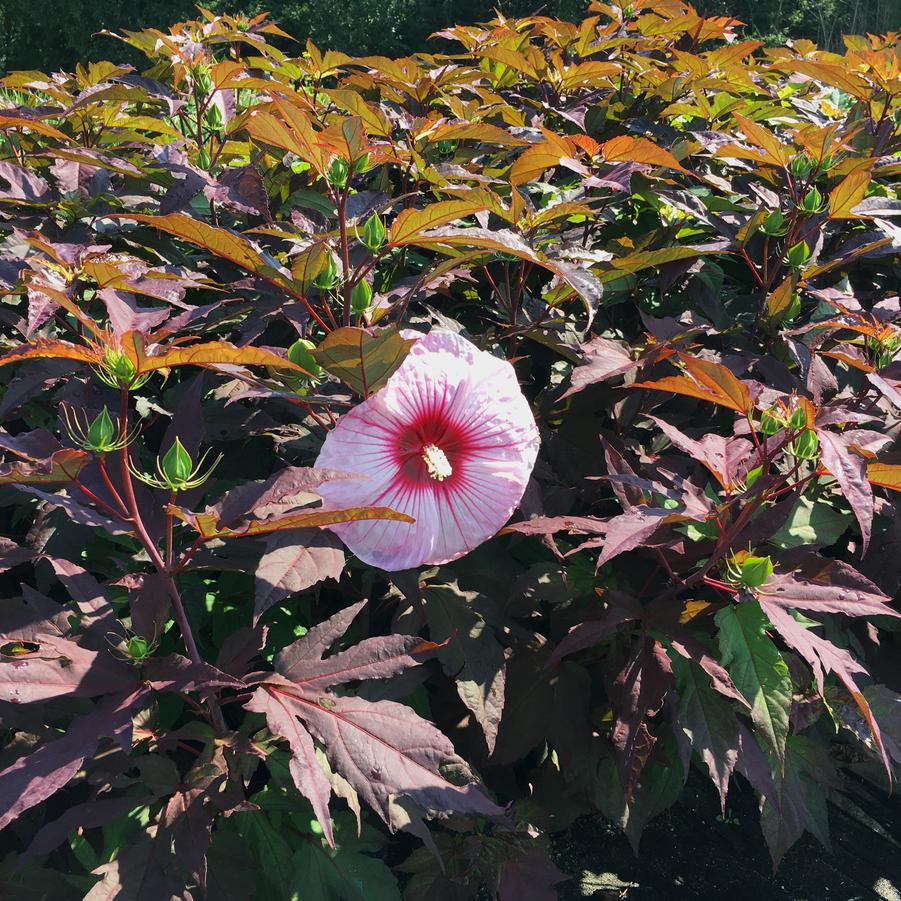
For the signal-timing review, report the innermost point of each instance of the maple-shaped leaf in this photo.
(603, 359)
(530, 875)
(708, 722)
(820, 585)
(42, 772)
(381, 748)
(637, 693)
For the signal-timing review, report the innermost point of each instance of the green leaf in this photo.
(758, 670)
(811, 523)
(344, 874)
(364, 359)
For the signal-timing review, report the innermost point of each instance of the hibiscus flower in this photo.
(450, 440)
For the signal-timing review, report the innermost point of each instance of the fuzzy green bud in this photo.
(328, 277)
(798, 255)
(774, 224)
(771, 422)
(812, 201)
(798, 419)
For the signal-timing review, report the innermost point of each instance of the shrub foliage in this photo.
(687, 245)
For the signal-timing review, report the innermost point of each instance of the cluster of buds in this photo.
(118, 371)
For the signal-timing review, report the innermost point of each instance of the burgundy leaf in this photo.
(37, 775)
(820, 585)
(530, 877)
(88, 815)
(622, 608)
(726, 458)
(850, 471)
(292, 562)
(308, 775)
(56, 668)
(383, 748)
(177, 673)
(637, 693)
(603, 359)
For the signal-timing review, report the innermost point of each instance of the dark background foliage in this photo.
(51, 34)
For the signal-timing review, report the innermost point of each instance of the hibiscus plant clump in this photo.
(403, 458)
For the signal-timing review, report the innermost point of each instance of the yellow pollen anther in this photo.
(436, 463)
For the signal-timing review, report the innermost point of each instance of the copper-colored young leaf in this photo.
(364, 359)
(207, 353)
(848, 193)
(59, 468)
(709, 381)
(207, 524)
(48, 349)
(410, 223)
(628, 149)
(885, 475)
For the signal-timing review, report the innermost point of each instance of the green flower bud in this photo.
(101, 432)
(361, 164)
(361, 296)
(798, 255)
(373, 236)
(771, 422)
(753, 475)
(801, 166)
(755, 571)
(812, 201)
(798, 419)
(300, 354)
(138, 648)
(774, 224)
(338, 172)
(177, 465)
(806, 446)
(327, 279)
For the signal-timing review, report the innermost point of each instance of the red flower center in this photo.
(432, 451)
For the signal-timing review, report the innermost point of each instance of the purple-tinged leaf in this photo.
(726, 458)
(709, 723)
(638, 693)
(886, 707)
(177, 673)
(630, 530)
(621, 608)
(309, 649)
(37, 775)
(530, 877)
(53, 667)
(239, 649)
(383, 748)
(23, 185)
(185, 826)
(308, 775)
(373, 658)
(691, 648)
(294, 561)
(850, 471)
(287, 489)
(550, 525)
(149, 606)
(820, 585)
(603, 359)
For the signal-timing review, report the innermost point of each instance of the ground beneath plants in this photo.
(688, 853)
